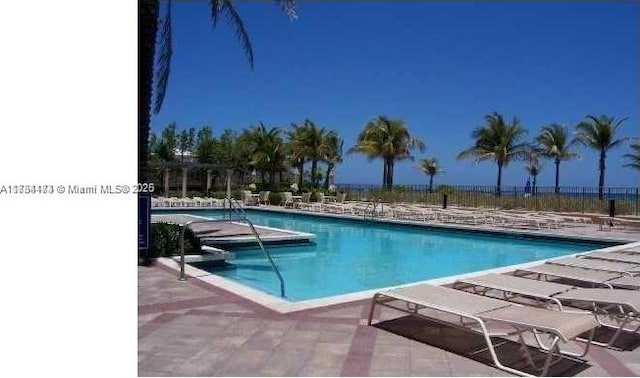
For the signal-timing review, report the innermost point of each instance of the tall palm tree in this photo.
(553, 142)
(149, 23)
(186, 141)
(498, 141)
(333, 155)
(388, 139)
(316, 147)
(430, 167)
(267, 150)
(205, 145)
(164, 146)
(634, 157)
(296, 150)
(533, 167)
(598, 133)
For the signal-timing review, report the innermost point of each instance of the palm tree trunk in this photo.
(147, 27)
(314, 168)
(272, 177)
(430, 183)
(300, 178)
(390, 173)
(557, 175)
(603, 156)
(499, 183)
(533, 188)
(385, 173)
(326, 178)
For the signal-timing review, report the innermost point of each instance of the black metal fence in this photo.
(626, 201)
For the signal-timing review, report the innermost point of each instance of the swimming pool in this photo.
(350, 256)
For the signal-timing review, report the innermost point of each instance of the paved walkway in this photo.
(195, 329)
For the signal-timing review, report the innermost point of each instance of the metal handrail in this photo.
(241, 218)
(233, 207)
(374, 206)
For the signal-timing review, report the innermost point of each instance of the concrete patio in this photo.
(193, 328)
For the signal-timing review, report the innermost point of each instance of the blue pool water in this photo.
(350, 256)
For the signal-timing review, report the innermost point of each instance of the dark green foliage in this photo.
(165, 240)
(275, 198)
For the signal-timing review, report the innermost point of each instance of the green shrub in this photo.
(165, 240)
(275, 198)
(218, 194)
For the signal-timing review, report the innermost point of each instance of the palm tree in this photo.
(634, 157)
(533, 167)
(498, 141)
(267, 150)
(164, 146)
(148, 25)
(333, 155)
(598, 133)
(233, 150)
(316, 147)
(389, 140)
(205, 145)
(431, 167)
(186, 141)
(553, 142)
(296, 150)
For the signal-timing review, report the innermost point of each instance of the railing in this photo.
(565, 199)
(242, 218)
(234, 207)
(374, 207)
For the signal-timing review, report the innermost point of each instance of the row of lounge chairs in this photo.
(339, 205)
(186, 202)
(557, 302)
(495, 218)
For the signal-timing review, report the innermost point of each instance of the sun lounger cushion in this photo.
(517, 284)
(613, 256)
(574, 273)
(566, 325)
(613, 266)
(444, 298)
(630, 298)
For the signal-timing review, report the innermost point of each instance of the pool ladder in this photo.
(239, 215)
(372, 209)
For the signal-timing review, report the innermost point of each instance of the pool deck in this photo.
(197, 328)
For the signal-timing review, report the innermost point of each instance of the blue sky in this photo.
(440, 67)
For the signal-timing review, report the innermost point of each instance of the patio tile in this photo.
(328, 354)
(320, 371)
(430, 367)
(298, 335)
(244, 362)
(285, 362)
(160, 363)
(386, 363)
(332, 336)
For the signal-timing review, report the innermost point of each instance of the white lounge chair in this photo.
(482, 311)
(596, 264)
(614, 256)
(615, 308)
(594, 278)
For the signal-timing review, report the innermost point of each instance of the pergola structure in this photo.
(168, 166)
